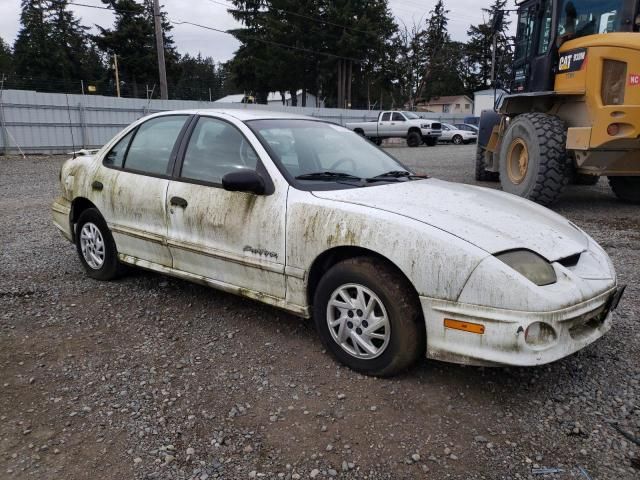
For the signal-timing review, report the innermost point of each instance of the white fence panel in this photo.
(37, 122)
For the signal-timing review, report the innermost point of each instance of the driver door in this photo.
(399, 123)
(233, 239)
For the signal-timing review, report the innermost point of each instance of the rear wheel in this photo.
(482, 174)
(414, 139)
(626, 188)
(533, 160)
(369, 317)
(96, 248)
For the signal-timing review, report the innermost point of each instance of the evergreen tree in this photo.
(479, 51)
(32, 46)
(6, 59)
(132, 39)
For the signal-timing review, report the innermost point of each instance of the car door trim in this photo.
(228, 256)
(136, 233)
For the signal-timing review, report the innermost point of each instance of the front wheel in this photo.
(457, 140)
(369, 317)
(431, 141)
(533, 159)
(626, 189)
(95, 246)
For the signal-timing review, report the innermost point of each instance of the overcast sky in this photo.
(220, 46)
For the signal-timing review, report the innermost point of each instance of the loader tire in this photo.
(533, 159)
(626, 189)
(482, 174)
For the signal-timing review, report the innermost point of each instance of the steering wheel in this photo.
(341, 161)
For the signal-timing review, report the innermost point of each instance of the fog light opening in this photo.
(613, 129)
(539, 334)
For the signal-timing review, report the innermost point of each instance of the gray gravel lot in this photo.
(152, 377)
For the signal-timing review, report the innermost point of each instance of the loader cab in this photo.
(543, 25)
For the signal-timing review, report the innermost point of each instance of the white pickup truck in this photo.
(400, 125)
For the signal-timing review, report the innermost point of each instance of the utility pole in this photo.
(115, 67)
(157, 20)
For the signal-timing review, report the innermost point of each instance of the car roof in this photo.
(242, 114)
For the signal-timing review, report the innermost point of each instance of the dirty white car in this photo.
(312, 218)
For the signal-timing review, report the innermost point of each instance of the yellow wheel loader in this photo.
(574, 108)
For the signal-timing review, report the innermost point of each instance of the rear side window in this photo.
(151, 147)
(115, 157)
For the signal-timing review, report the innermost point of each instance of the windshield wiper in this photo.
(394, 175)
(327, 176)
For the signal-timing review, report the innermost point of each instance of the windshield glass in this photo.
(302, 147)
(411, 115)
(579, 18)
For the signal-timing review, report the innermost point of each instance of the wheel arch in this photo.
(415, 129)
(79, 205)
(331, 257)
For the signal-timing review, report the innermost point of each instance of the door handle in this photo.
(178, 202)
(96, 185)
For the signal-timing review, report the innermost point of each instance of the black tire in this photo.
(431, 141)
(377, 140)
(414, 139)
(548, 169)
(626, 189)
(407, 339)
(482, 174)
(457, 140)
(359, 131)
(585, 179)
(111, 268)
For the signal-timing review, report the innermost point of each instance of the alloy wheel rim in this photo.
(517, 161)
(92, 245)
(358, 321)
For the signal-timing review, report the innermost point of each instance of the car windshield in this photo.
(317, 150)
(411, 115)
(449, 126)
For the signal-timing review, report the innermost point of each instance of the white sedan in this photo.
(310, 217)
(457, 136)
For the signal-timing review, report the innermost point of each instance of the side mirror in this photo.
(244, 181)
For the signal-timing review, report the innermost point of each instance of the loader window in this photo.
(579, 18)
(545, 28)
(524, 35)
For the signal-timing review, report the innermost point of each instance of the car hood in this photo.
(489, 219)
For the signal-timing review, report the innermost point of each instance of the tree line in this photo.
(350, 54)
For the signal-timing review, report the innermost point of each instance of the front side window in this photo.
(397, 117)
(215, 149)
(302, 147)
(524, 35)
(115, 157)
(153, 143)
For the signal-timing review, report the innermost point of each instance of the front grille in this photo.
(584, 325)
(436, 126)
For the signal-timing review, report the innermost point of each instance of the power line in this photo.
(257, 39)
(316, 19)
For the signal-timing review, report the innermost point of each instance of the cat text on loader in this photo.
(573, 113)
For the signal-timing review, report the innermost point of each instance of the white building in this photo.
(483, 100)
(274, 98)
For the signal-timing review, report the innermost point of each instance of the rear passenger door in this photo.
(234, 240)
(134, 201)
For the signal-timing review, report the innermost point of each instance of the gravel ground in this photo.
(152, 377)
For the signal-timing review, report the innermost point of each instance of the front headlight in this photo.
(425, 126)
(530, 265)
(614, 79)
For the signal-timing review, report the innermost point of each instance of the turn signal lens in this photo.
(614, 79)
(464, 326)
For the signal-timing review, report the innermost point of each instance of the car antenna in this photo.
(73, 143)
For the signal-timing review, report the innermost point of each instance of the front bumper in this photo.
(503, 339)
(61, 210)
